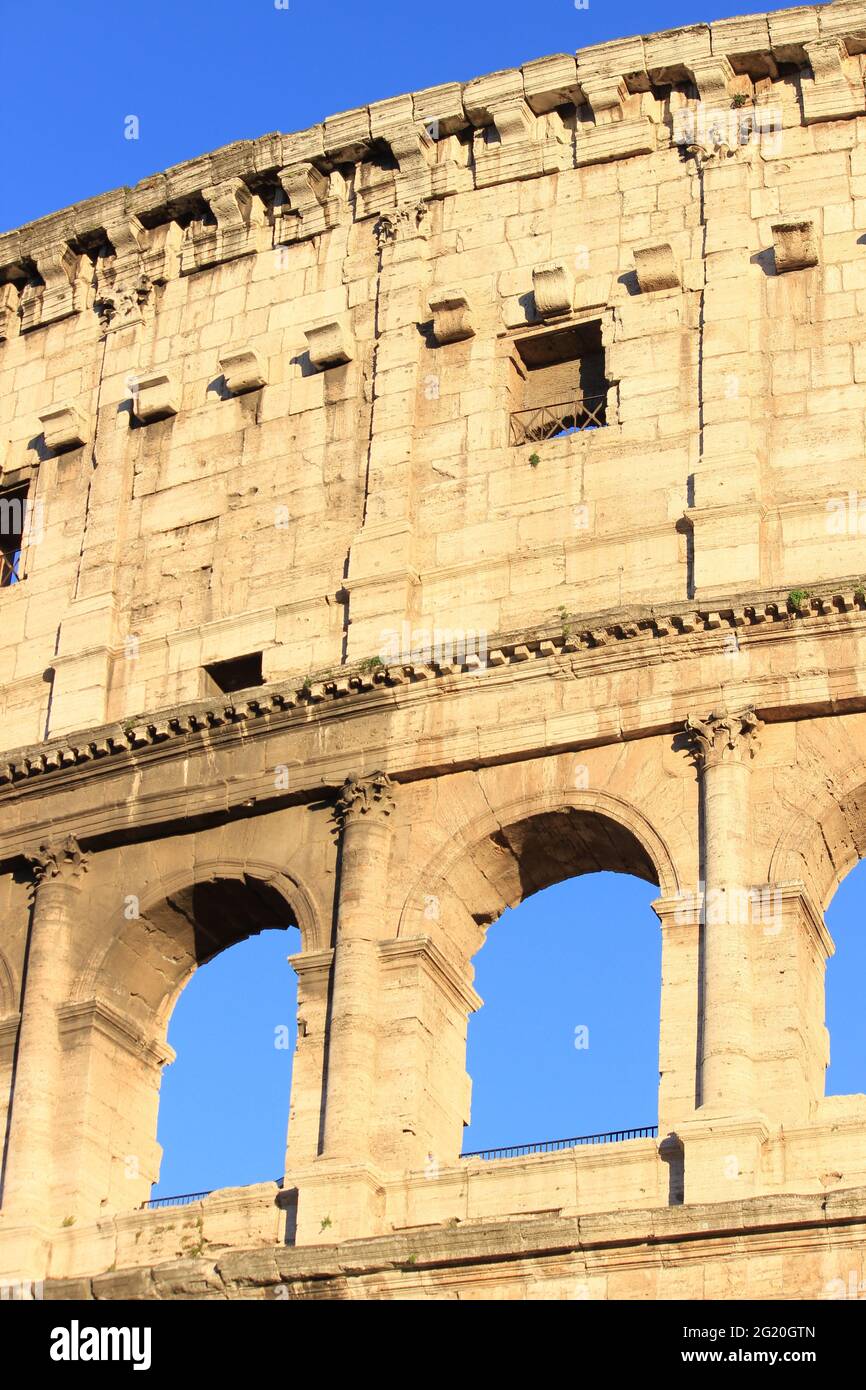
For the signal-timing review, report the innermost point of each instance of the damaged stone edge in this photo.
(322, 1271)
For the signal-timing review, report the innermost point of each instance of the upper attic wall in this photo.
(297, 180)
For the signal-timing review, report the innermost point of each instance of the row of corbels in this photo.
(721, 62)
(156, 394)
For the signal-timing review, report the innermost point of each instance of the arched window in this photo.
(567, 1042)
(202, 966)
(846, 972)
(224, 1102)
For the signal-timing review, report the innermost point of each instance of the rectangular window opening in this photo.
(240, 673)
(559, 385)
(13, 517)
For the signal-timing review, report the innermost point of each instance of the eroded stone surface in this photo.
(321, 559)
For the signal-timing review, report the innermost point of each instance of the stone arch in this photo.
(186, 919)
(823, 843)
(600, 829)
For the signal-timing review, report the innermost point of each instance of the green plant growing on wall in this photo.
(567, 620)
(534, 460)
(796, 597)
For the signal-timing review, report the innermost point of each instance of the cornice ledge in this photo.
(568, 637)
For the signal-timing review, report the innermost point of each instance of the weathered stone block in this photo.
(795, 245)
(64, 427)
(155, 396)
(243, 369)
(329, 344)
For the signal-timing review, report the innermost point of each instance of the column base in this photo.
(337, 1201)
(722, 1156)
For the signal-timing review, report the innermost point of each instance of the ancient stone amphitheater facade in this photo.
(399, 517)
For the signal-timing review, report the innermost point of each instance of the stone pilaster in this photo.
(364, 811)
(30, 1174)
(724, 746)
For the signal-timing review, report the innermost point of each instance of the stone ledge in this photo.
(609, 628)
(655, 1236)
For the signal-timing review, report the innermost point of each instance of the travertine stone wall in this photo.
(267, 403)
(190, 510)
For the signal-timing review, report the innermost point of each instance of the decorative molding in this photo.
(84, 1016)
(578, 639)
(58, 861)
(724, 737)
(365, 796)
(423, 951)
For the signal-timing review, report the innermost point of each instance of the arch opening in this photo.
(224, 1103)
(226, 920)
(566, 1044)
(846, 971)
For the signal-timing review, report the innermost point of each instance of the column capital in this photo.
(58, 861)
(369, 797)
(723, 737)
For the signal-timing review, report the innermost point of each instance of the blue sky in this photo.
(200, 75)
(585, 953)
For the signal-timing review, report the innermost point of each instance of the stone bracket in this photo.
(831, 95)
(315, 202)
(243, 370)
(452, 322)
(795, 245)
(155, 396)
(329, 344)
(64, 427)
(656, 267)
(240, 217)
(65, 279)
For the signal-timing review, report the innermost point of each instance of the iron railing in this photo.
(548, 421)
(185, 1199)
(10, 561)
(546, 1146)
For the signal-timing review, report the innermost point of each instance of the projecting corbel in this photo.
(63, 427)
(712, 76)
(155, 396)
(65, 278)
(243, 370)
(451, 316)
(10, 297)
(655, 267)
(329, 344)
(606, 96)
(553, 289)
(831, 95)
(795, 245)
